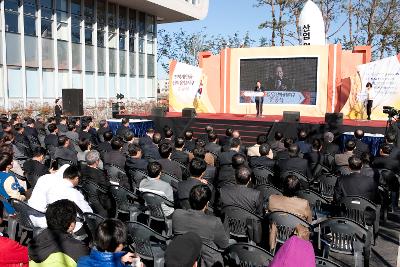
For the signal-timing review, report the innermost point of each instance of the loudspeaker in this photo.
(334, 119)
(291, 116)
(72, 100)
(158, 112)
(188, 113)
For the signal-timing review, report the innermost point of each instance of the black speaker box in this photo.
(72, 100)
(334, 119)
(188, 113)
(291, 116)
(158, 112)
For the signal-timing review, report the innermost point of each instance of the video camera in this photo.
(390, 111)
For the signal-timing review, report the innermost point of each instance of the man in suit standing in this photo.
(360, 145)
(259, 99)
(58, 109)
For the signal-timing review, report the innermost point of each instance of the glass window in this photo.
(122, 85)
(112, 61)
(132, 65)
(89, 18)
(122, 62)
(14, 82)
(76, 57)
(13, 52)
(47, 53)
(31, 51)
(89, 58)
(141, 64)
(150, 24)
(32, 83)
(89, 85)
(101, 86)
(63, 80)
(76, 21)
(62, 54)
(132, 30)
(141, 89)
(122, 27)
(62, 19)
(48, 84)
(76, 79)
(142, 23)
(111, 85)
(150, 66)
(101, 23)
(30, 17)
(47, 18)
(101, 55)
(11, 15)
(112, 25)
(150, 87)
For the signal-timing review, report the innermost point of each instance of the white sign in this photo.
(253, 93)
(185, 82)
(312, 25)
(283, 97)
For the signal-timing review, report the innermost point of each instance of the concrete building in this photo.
(103, 46)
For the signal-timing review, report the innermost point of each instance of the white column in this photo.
(107, 55)
(22, 45)
(4, 83)
(137, 54)
(145, 57)
(155, 59)
(94, 38)
(40, 53)
(54, 35)
(118, 75)
(83, 51)
(69, 26)
(127, 74)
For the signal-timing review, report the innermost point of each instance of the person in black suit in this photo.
(259, 99)
(315, 158)
(58, 109)
(226, 157)
(100, 203)
(105, 146)
(168, 166)
(277, 145)
(356, 184)
(279, 82)
(304, 146)
(264, 160)
(51, 140)
(208, 227)
(150, 151)
(21, 140)
(210, 172)
(197, 169)
(178, 154)
(226, 174)
(124, 127)
(34, 168)
(189, 141)
(64, 152)
(294, 163)
(223, 140)
(360, 145)
(147, 139)
(135, 161)
(239, 194)
(84, 132)
(62, 125)
(212, 145)
(168, 136)
(390, 139)
(385, 161)
(328, 147)
(30, 129)
(103, 128)
(284, 154)
(115, 156)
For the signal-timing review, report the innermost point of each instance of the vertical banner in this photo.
(384, 75)
(312, 25)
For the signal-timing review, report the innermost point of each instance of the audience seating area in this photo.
(306, 187)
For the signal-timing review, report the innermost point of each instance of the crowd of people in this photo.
(46, 164)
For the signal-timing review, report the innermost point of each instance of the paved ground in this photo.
(385, 253)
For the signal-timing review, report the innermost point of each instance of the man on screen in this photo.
(279, 82)
(259, 99)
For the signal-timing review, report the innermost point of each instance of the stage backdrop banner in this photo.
(384, 75)
(188, 88)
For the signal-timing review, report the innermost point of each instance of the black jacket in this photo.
(386, 163)
(356, 184)
(122, 131)
(49, 242)
(51, 140)
(213, 148)
(295, 164)
(361, 147)
(136, 164)
(180, 156)
(259, 162)
(171, 167)
(115, 157)
(248, 198)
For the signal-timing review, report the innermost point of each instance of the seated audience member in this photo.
(208, 227)
(20, 137)
(169, 166)
(366, 168)
(342, 160)
(226, 173)
(240, 195)
(356, 184)
(84, 132)
(85, 146)
(105, 146)
(223, 140)
(253, 151)
(110, 239)
(154, 185)
(226, 157)
(277, 145)
(124, 128)
(72, 134)
(284, 154)
(385, 161)
(38, 199)
(10, 187)
(265, 159)
(288, 203)
(134, 161)
(178, 153)
(63, 152)
(294, 163)
(65, 189)
(390, 139)
(360, 145)
(103, 128)
(315, 156)
(12, 254)
(34, 168)
(190, 243)
(62, 125)
(211, 171)
(189, 141)
(293, 251)
(168, 136)
(208, 157)
(30, 129)
(212, 145)
(147, 139)
(197, 168)
(115, 156)
(57, 238)
(150, 151)
(328, 147)
(51, 140)
(304, 146)
(101, 203)
(129, 138)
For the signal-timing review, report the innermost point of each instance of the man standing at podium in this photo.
(259, 99)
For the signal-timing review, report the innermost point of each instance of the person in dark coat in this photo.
(169, 166)
(178, 154)
(124, 127)
(58, 109)
(360, 145)
(115, 156)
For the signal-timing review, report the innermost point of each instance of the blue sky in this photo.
(224, 17)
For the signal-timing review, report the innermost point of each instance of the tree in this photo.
(184, 46)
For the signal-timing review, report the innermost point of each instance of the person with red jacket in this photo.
(12, 254)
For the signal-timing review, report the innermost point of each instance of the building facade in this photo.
(104, 47)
